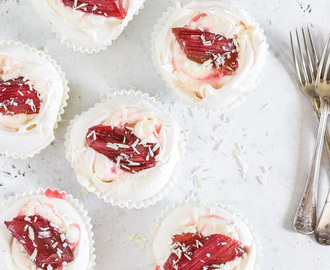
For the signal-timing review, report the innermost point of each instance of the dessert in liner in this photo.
(211, 53)
(33, 93)
(45, 229)
(126, 149)
(194, 234)
(88, 26)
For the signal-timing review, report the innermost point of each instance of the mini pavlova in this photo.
(210, 52)
(88, 25)
(33, 93)
(45, 230)
(125, 149)
(202, 235)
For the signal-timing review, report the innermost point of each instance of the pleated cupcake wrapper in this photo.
(167, 187)
(82, 49)
(75, 203)
(65, 92)
(160, 25)
(192, 197)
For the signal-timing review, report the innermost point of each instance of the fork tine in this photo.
(322, 67)
(316, 60)
(310, 64)
(295, 61)
(302, 59)
(327, 68)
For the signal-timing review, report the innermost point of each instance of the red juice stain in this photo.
(55, 194)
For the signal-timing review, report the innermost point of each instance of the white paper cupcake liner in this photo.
(65, 97)
(75, 204)
(83, 49)
(166, 188)
(156, 223)
(160, 25)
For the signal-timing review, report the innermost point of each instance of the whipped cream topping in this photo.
(199, 84)
(192, 217)
(59, 212)
(98, 173)
(27, 134)
(83, 29)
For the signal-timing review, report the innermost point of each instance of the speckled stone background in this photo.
(276, 128)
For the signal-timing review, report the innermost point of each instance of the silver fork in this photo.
(306, 76)
(322, 232)
(305, 219)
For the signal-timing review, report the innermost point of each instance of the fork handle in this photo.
(316, 107)
(322, 231)
(305, 218)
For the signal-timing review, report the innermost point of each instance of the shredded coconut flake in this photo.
(204, 139)
(192, 111)
(92, 133)
(244, 167)
(261, 179)
(138, 238)
(206, 199)
(84, 192)
(81, 6)
(132, 86)
(198, 182)
(31, 233)
(107, 239)
(34, 255)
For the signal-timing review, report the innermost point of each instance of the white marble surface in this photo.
(276, 127)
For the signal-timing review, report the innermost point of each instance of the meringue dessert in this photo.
(210, 52)
(33, 92)
(45, 230)
(88, 25)
(124, 149)
(203, 236)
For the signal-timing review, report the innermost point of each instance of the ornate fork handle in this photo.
(322, 231)
(305, 219)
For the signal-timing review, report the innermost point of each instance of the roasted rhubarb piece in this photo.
(18, 96)
(193, 251)
(107, 8)
(121, 146)
(201, 46)
(42, 241)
